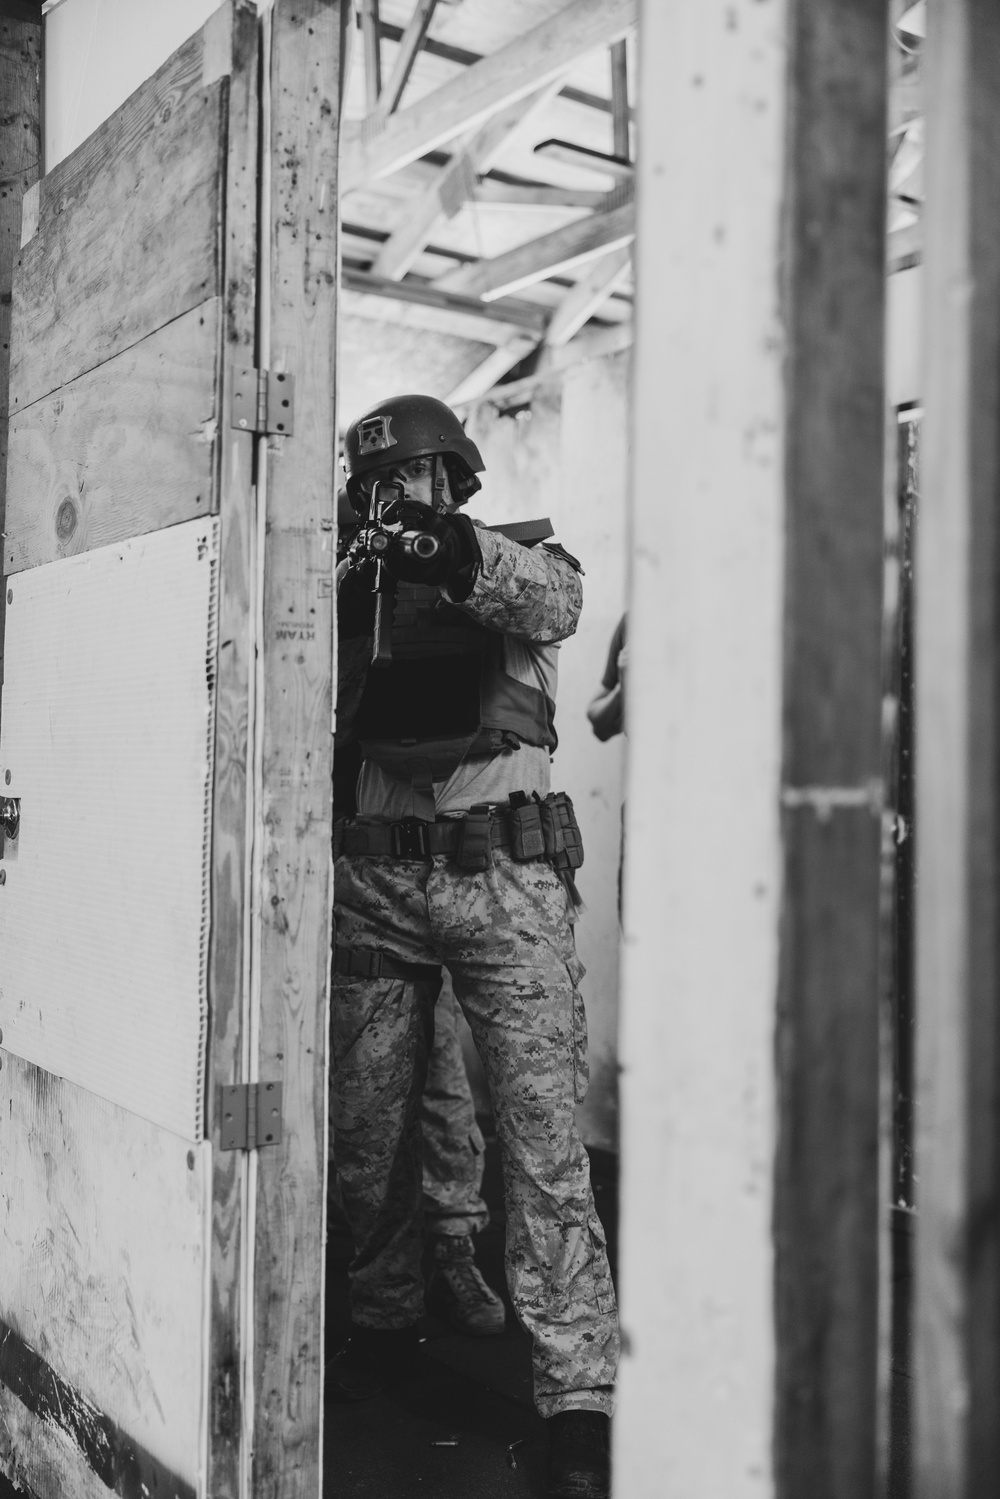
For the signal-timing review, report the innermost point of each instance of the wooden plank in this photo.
(589, 294)
(826, 1203)
(572, 245)
(414, 315)
(491, 192)
(455, 185)
(373, 53)
(410, 44)
(957, 1440)
(750, 1064)
(621, 145)
(465, 102)
(110, 265)
(293, 821)
(231, 891)
(125, 449)
(463, 56)
(492, 318)
(20, 167)
(492, 369)
(104, 1262)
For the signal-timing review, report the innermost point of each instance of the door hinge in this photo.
(264, 401)
(251, 1116)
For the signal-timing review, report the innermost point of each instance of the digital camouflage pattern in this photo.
(525, 591)
(505, 937)
(454, 1149)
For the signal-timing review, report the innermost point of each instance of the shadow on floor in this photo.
(473, 1392)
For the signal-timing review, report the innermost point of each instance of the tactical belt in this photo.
(411, 838)
(529, 828)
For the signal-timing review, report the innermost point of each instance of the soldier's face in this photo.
(417, 478)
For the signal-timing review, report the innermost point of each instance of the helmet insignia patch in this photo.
(374, 434)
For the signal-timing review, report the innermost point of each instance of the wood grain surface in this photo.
(294, 820)
(104, 1258)
(127, 448)
(233, 49)
(20, 165)
(109, 266)
(956, 1451)
(826, 1171)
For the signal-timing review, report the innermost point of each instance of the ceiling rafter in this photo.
(587, 296)
(456, 184)
(574, 244)
(378, 146)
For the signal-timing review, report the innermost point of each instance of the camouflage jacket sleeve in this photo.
(529, 592)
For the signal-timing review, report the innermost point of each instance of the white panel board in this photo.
(107, 735)
(103, 1269)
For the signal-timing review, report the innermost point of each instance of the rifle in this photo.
(372, 542)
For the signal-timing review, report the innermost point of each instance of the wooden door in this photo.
(164, 781)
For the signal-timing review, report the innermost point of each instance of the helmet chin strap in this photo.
(438, 500)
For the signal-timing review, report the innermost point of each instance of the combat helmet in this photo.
(406, 427)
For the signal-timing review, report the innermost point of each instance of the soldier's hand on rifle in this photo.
(454, 561)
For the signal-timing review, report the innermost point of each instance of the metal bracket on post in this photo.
(264, 401)
(251, 1116)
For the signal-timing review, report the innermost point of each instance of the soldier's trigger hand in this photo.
(456, 561)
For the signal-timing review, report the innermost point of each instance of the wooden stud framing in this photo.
(465, 102)
(572, 245)
(228, 1038)
(957, 1310)
(749, 1047)
(20, 166)
(294, 821)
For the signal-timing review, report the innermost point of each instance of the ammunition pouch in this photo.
(527, 829)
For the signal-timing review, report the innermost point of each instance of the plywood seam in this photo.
(47, 395)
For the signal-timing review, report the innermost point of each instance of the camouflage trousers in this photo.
(505, 937)
(454, 1152)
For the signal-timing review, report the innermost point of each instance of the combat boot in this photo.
(457, 1292)
(579, 1455)
(369, 1361)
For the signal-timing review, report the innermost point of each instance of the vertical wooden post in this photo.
(294, 822)
(750, 1007)
(20, 166)
(957, 1313)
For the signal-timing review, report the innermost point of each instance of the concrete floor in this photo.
(475, 1392)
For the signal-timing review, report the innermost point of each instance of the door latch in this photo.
(264, 401)
(251, 1116)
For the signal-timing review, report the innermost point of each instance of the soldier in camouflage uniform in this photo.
(461, 856)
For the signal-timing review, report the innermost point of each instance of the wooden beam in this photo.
(957, 1435)
(505, 313)
(373, 54)
(523, 66)
(20, 168)
(621, 145)
(293, 744)
(492, 369)
(590, 293)
(410, 44)
(750, 1066)
(547, 256)
(466, 59)
(455, 185)
(592, 343)
(491, 193)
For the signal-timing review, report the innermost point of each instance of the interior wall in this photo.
(564, 455)
(97, 52)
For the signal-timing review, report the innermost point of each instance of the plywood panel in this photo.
(103, 1243)
(107, 739)
(128, 237)
(127, 448)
